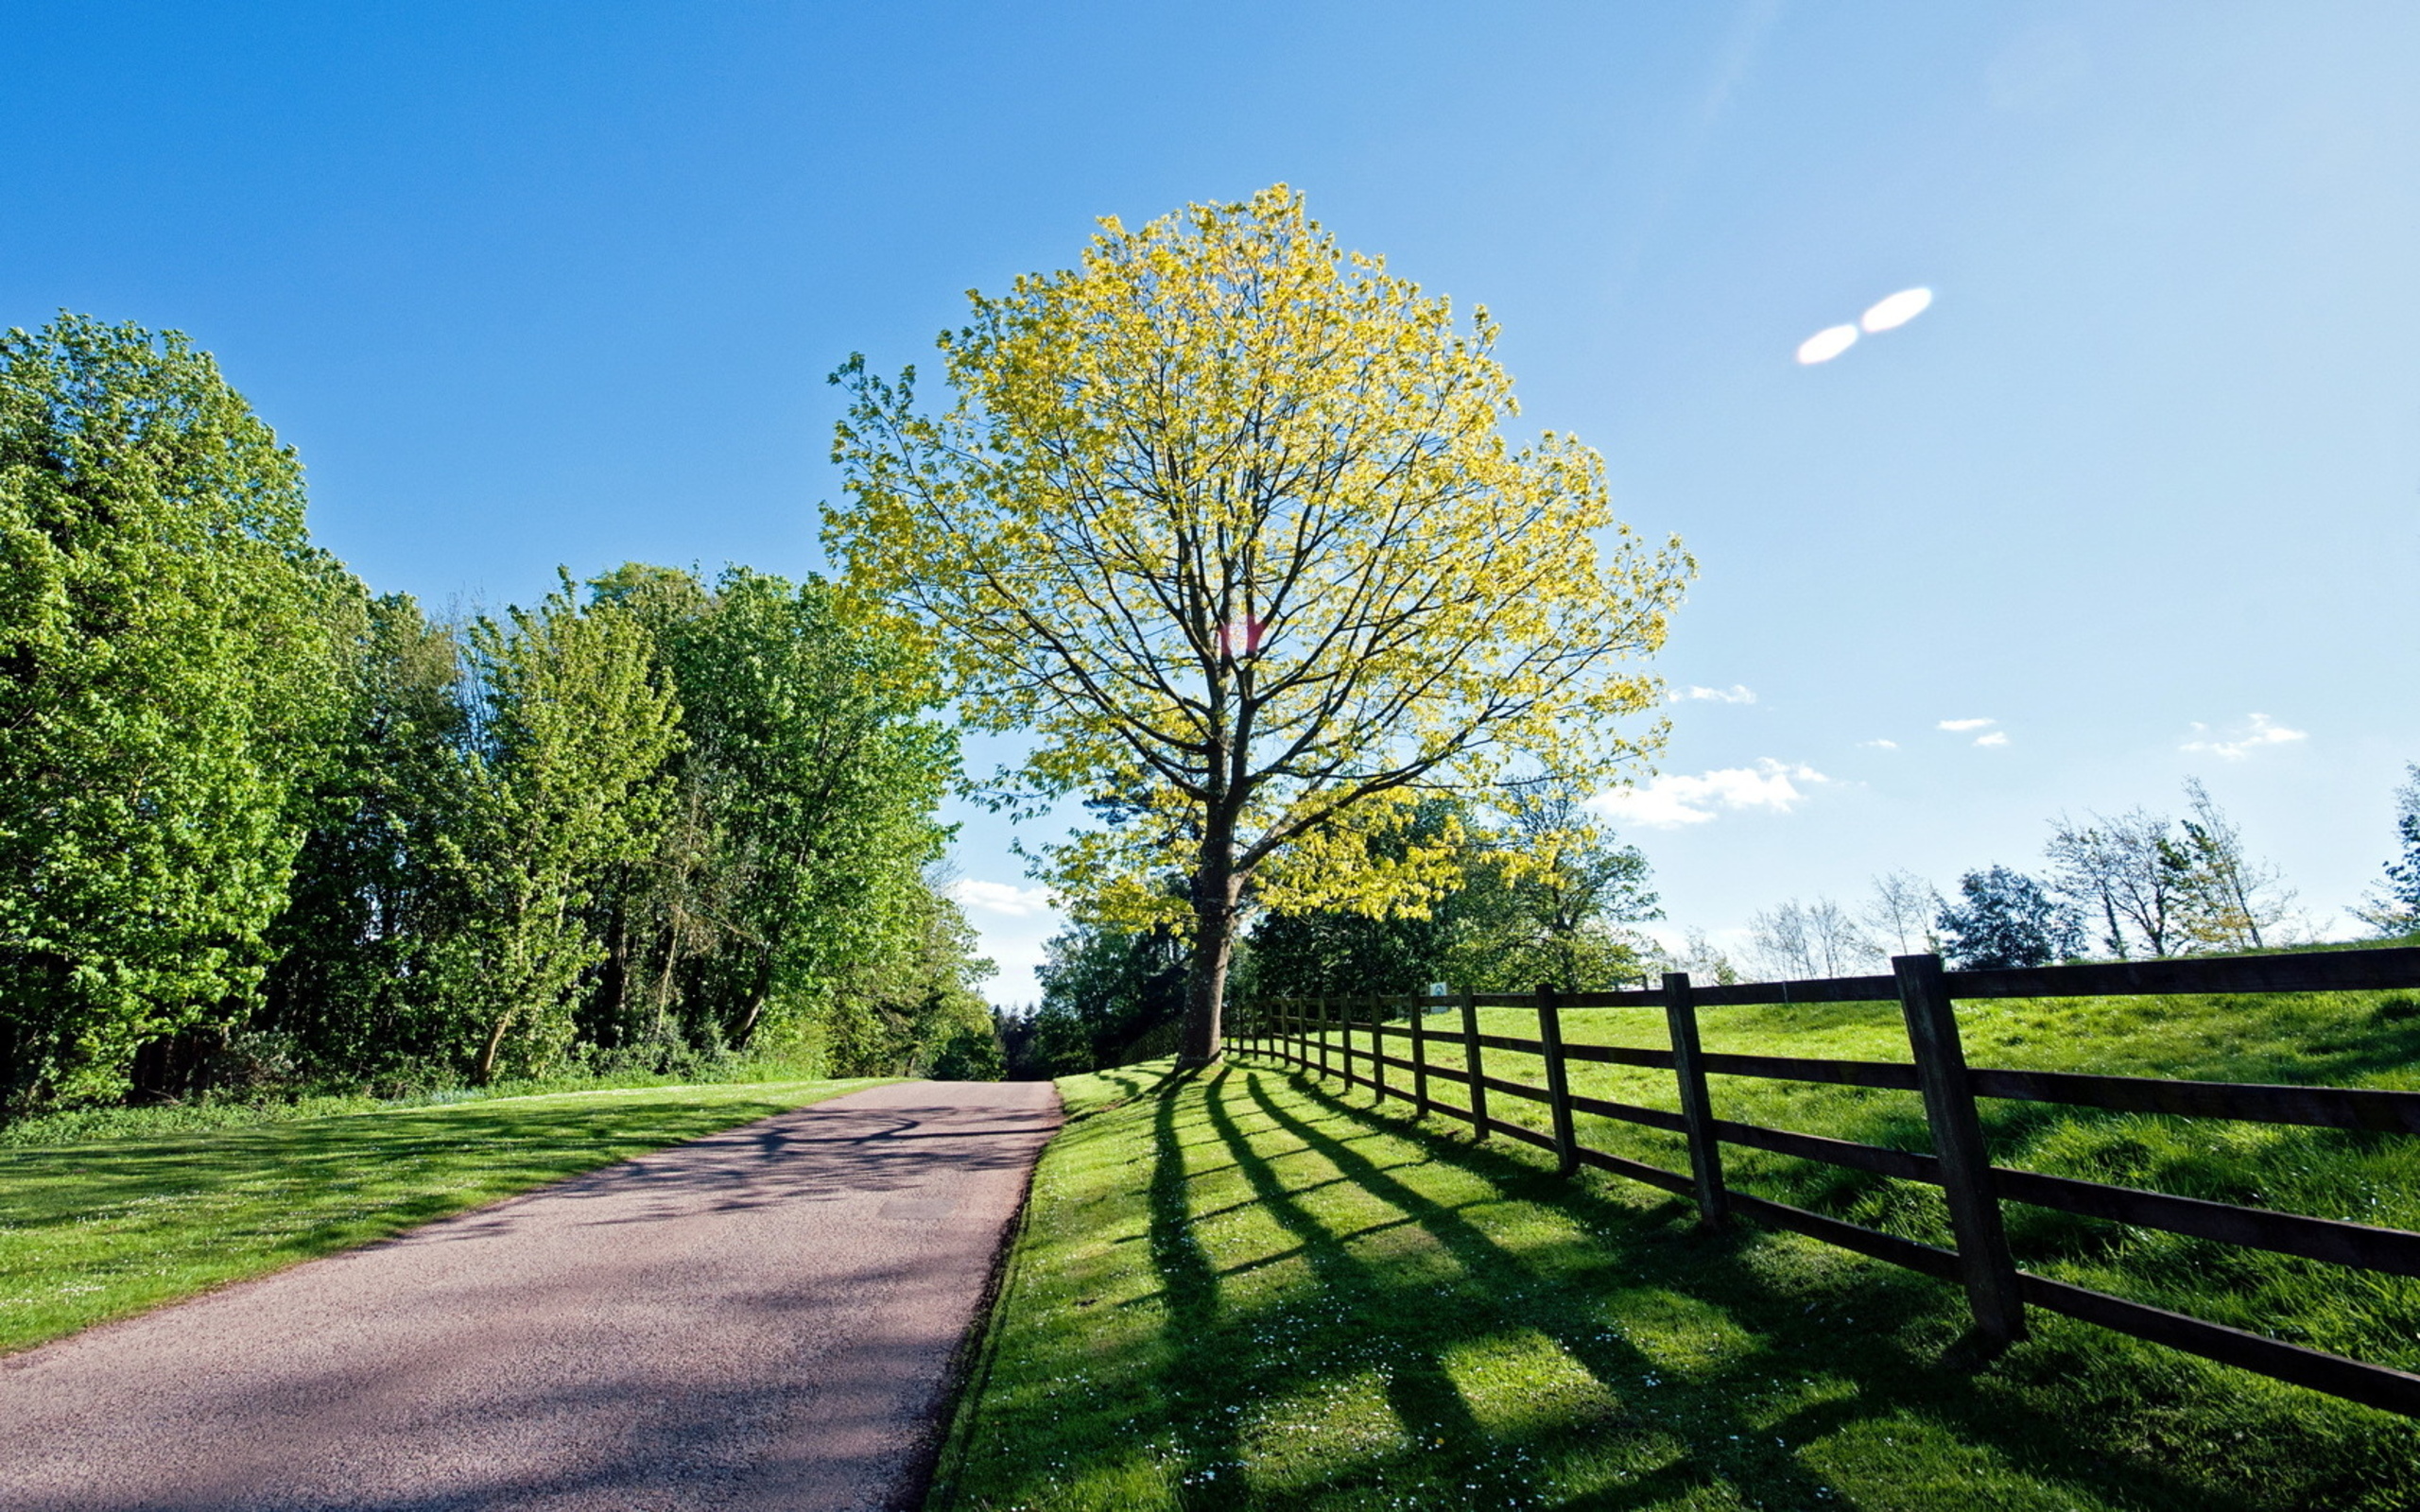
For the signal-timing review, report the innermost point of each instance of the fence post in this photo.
(1470, 1063)
(1420, 1058)
(1326, 1042)
(1697, 1109)
(1378, 1045)
(1567, 1144)
(1983, 1260)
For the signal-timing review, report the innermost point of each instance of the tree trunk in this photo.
(1215, 888)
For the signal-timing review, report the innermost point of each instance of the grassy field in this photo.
(100, 1227)
(1244, 1290)
(2348, 1039)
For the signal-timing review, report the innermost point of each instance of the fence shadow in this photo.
(1412, 1278)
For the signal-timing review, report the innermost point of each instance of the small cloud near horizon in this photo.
(1669, 801)
(1737, 692)
(1959, 727)
(1878, 743)
(2261, 731)
(1997, 737)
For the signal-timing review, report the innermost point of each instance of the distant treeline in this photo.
(1539, 893)
(261, 829)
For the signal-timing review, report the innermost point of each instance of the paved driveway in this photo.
(760, 1319)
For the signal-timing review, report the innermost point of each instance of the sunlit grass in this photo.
(102, 1228)
(2349, 1040)
(1243, 1290)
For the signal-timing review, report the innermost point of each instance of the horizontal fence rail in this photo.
(1354, 1039)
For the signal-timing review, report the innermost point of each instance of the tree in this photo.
(368, 952)
(1699, 957)
(2393, 908)
(1545, 900)
(2226, 901)
(2128, 869)
(171, 651)
(1225, 519)
(1809, 939)
(794, 883)
(2008, 920)
(1103, 987)
(569, 734)
(1900, 912)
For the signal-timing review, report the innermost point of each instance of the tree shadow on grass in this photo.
(1682, 1428)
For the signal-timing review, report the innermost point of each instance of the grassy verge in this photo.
(99, 1228)
(293, 1105)
(1241, 1289)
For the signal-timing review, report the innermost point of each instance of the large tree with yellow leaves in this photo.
(1225, 518)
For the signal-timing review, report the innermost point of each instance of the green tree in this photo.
(169, 653)
(1546, 901)
(2224, 899)
(1104, 985)
(1226, 518)
(818, 771)
(569, 732)
(369, 953)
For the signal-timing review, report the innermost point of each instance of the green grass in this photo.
(99, 1229)
(2349, 1040)
(1243, 1290)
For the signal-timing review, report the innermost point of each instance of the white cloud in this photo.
(1961, 725)
(1826, 343)
(1997, 737)
(1001, 898)
(1879, 745)
(1670, 801)
(1734, 693)
(2261, 731)
(1898, 310)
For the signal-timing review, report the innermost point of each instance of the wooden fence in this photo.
(1318, 1035)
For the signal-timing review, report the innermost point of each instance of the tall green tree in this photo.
(371, 968)
(570, 729)
(170, 654)
(1227, 520)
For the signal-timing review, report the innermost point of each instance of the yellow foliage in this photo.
(1225, 519)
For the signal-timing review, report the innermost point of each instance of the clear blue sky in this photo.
(540, 284)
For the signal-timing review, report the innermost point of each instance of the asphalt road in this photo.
(765, 1318)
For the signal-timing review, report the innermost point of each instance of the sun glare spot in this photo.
(1826, 343)
(1898, 310)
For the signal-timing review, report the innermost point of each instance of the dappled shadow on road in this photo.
(1565, 1336)
(822, 1154)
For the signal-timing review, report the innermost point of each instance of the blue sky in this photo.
(540, 284)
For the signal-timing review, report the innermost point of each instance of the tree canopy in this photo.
(170, 648)
(260, 829)
(1225, 519)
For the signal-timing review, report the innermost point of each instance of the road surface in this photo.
(764, 1318)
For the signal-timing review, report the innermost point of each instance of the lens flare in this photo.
(1826, 343)
(1900, 308)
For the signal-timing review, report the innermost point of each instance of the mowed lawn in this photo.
(1241, 1289)
(100, 1228)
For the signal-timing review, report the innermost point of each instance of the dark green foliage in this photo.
(367, 963)
(1541, 899)
(1103, 988)
(2008, 920)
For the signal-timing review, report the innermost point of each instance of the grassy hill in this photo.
(1241, 1289)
